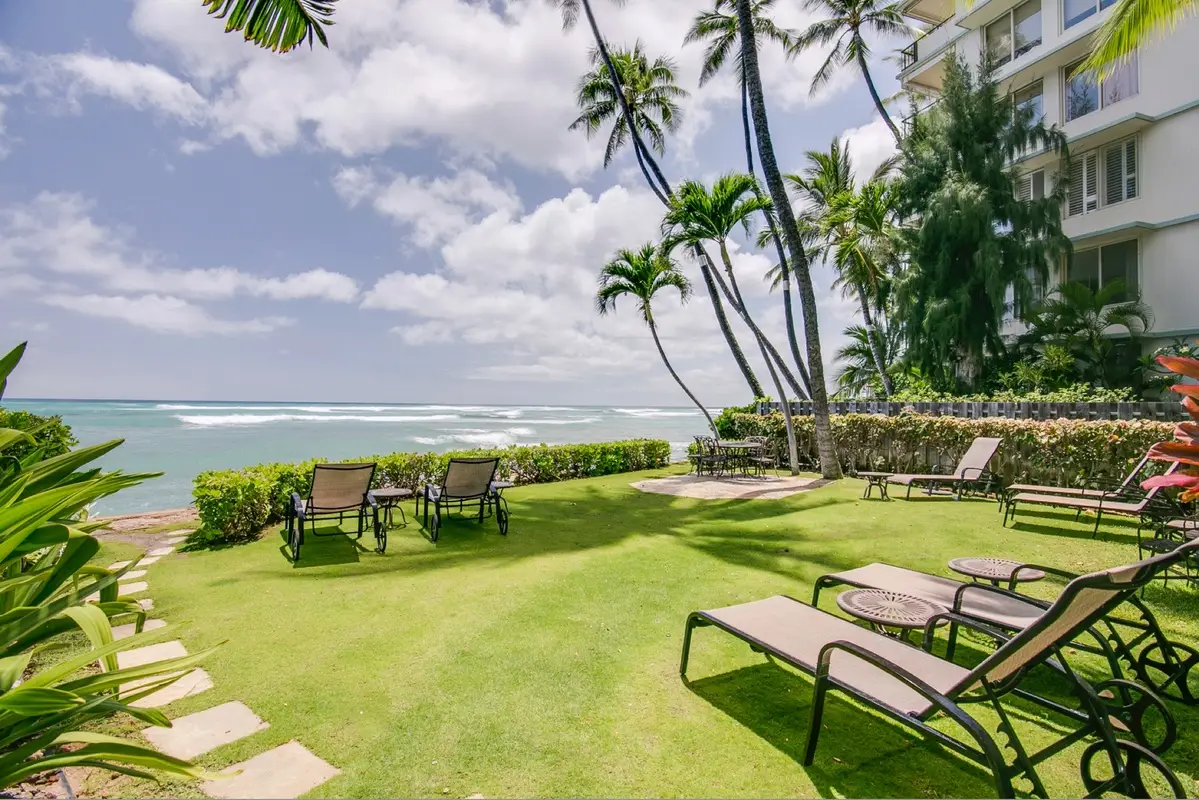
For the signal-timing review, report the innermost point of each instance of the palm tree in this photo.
(859, 369)
(1079, 318)
(719, 28)
(1129, 27)
(830, 464)
(847, 24)
(278, 25)
(651, 93)
(642, 274)
(622, 98)
(697, 215)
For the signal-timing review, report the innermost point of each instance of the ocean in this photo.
(183, 439)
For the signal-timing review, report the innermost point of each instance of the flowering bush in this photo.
(1185, 447)
(1054, 451)
(236, 504)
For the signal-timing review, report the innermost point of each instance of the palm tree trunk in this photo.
(830, 464)
(778, 246)
(738, 303)
(645, 172)
(876, 346)
(755, 387)
(878, 101)
(653, 329)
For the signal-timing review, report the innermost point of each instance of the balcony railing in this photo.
(927, 43)
(908, 56)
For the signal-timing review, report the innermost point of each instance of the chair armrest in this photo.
(297, 504)
(875, 660)
(1061, 573)
(371, 501)
(930, 628)
(983, 587)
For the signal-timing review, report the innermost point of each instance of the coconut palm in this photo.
(719, 28)
(859, 373)
(1130, 26)
(847, 24)
(600, 105)
(642, 274)
(785, 219)
(697, 215)
(649, 89)
(278, 25)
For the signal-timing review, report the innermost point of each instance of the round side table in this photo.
(890, 613)
(994, 570)
(389, 498)
(874, 479)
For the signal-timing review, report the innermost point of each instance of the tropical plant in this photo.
(859, 375)
(278, 25)
(1130, 26)
(1155, 378)
(846, 26)
(643, 274)
(978, 245)
(47, 588)
(785, 219)
(720, 29)
(1184, 450)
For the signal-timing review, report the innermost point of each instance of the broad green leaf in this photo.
(10, 437)
(12, 668)
(32, 701)
(111, 680)
(49, 472)
(79, 550)
(93, 622)
(7, 364)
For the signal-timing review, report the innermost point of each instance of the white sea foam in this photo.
(654, 412)
(575, 421)
(213, 420)
(476, 437)
(306, 409)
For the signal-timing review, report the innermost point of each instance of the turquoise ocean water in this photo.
(183, 439)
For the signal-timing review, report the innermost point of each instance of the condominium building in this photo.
(1133, 207)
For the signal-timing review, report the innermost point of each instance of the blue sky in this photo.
(404, 217)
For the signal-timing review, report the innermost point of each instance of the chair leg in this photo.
(814, 724)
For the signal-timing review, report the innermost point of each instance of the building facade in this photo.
(1133, 207)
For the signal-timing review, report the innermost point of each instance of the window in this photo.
(1084, 184)
(1031, 186)
(1015, 33)
(1083, 95)
(1099, 266)
(1120, 172)
(1033, 98)
(1075, 11)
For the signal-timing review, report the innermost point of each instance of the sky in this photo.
(402, 217)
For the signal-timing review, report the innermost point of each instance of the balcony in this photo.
(921, 62)
(934, 12)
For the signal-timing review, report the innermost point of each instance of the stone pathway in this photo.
(282, 772)
(707, 487)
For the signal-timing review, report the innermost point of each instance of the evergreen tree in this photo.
(977, 246)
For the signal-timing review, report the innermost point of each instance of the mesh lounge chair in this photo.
(336, 489)
(1151, 505)
(1075, 491)
(466, 480)
(1135, 639)
(972, 470)
(911, 685)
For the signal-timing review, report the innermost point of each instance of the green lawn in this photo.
(546, 663)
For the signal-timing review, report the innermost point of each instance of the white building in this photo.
(1133, 211)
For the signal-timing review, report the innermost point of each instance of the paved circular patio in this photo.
(706, 487)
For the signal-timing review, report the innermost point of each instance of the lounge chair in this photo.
(911, 685)
(336, 489)
(972, 470)
(466, 480)
(1076, 491)
(1169, 668)
(1148, 507)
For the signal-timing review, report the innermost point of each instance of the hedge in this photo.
(1057, 452)
(236, 504)
(51, 434)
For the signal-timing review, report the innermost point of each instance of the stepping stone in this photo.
(175, 540)
(145, 562)
(184, 532)
(133, 588)
(161, 551)
(147, 603)
(196, 734)
(133, 573)
(193, 682)
(119, 565)
(151, 653)
(128, 629)
(289, 770)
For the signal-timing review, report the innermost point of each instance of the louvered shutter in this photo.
(1077, 174)
(1024, 188)
(1130, 169)
(1091, 193)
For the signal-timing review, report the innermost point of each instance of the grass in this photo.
(546, 663)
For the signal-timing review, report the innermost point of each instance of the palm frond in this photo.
(1130, 26)
(276, 25)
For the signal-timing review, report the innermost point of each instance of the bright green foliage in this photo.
(1047, 452)
(1132, 25)
(278, 25)
(859, 375)
(1155, 378)
(651, 91)
(977, 244)
(49, 434)
(45, 579)
(236, 504)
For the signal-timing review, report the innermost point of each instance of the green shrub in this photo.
(51, 434)
(235, 504)
(1050, 451)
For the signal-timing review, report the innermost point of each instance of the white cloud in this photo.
(142, 86)
(869, 146)
(162, 314)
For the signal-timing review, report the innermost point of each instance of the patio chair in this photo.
(1169, 535)
(767, 457)
(1093, 490)
(1135, 639)
(1150, 507)
(335, 490)
(972, 471)
(466, 480)
(912, 686)
(701, 459)
(713, 458)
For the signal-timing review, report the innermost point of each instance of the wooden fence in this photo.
(1164, 412)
